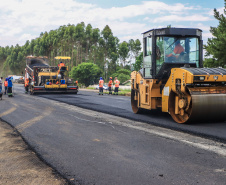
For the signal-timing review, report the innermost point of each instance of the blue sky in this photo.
(23, 20)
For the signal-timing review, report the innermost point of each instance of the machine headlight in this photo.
(199, 78)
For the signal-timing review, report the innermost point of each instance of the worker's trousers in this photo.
(10, 91)
(26, 88)
(116, 90)
(109, 88)
(100, 90)
(6, 89)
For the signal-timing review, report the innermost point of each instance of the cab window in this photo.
(147, 62)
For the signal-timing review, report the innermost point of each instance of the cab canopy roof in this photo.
(173, 32)
(63, 58)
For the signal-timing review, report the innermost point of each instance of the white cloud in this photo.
(26, 37)
(23, 19)
(177, 18)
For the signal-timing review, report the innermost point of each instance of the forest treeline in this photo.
(85, 45)
(81, 42)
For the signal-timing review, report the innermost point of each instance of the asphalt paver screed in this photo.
(19, 164)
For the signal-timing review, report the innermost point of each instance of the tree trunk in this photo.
(72, 55)
(77, 55)
(81, 55)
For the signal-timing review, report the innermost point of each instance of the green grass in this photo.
(90, 88)
(120, 92)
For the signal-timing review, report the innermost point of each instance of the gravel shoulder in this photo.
(19, 164)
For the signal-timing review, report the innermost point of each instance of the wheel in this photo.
(180, 108)
(134, 103)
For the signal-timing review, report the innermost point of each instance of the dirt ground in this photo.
(19, 164)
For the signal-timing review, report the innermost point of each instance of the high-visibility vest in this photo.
(62, 64)
(26, 83)
(110, 83)
(117, 82)
(101, 83)
(6, 83)
(177, 51)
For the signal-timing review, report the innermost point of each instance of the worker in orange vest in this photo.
(26, 85)
(110, 85)
(6, 85)
(61, 64)
(117, 82)
(101, 85)
(177, 50)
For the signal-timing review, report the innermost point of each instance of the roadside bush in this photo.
(86, 73)
(122, 75)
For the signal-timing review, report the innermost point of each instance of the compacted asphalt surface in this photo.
(91, 147)
(120, 106)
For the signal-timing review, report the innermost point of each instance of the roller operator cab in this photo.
(173, 77)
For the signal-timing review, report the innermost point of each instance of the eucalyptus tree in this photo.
(134, 49)
(61, 40)
(123, 52)
(50, 45)
(95, 40)
(105, 40)
(108, 45)
(88, 39)
(137, 48)
(79, 35)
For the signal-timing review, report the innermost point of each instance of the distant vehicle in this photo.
(21, 80)
(15, 78)
(104, 87)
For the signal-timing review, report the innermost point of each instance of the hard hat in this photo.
(61, 62)
(101, 78)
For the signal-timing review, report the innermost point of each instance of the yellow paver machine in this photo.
(173, 77)
(49, 79)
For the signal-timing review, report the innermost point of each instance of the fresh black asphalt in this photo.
(120, 106)
(90, 149)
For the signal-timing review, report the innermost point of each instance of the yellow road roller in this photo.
(174, 80)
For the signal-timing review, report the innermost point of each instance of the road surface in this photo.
(91, 147)
(120, 106)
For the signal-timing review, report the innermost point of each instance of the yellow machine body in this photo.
(41, 74)
(174, 80)
(179, 97)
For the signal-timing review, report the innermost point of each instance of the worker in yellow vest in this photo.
(117, 82)
(101, 85)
